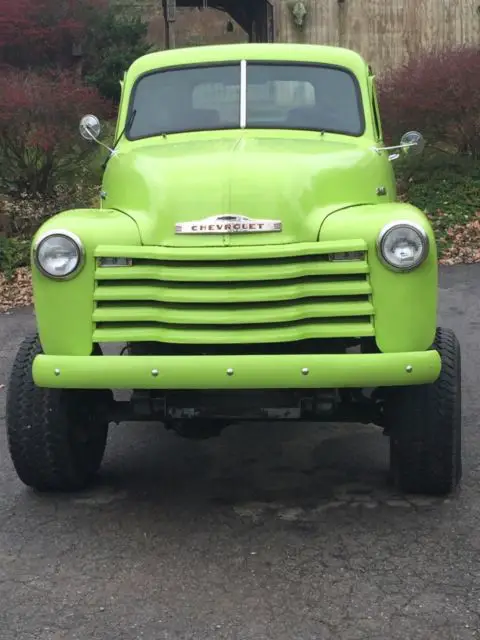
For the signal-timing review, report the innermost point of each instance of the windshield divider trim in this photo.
(243, 94)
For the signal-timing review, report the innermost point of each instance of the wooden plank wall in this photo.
(386, 32)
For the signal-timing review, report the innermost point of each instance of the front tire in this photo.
(56, 437)
(426, 428)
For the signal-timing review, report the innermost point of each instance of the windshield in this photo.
(280, 96)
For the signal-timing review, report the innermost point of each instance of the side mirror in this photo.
(412, 143)
(90, 128)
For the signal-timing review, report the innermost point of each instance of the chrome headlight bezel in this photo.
(74, 239)
(422, 235)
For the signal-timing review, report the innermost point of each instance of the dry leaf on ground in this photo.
(16, 292)
(465, 243)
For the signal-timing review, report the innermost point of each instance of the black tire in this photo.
(426, 427)
(56, 437)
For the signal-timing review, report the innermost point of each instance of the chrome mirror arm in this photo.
(113, 152)
(395, 147)
(412, 143)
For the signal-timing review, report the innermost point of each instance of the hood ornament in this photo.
(228, 224)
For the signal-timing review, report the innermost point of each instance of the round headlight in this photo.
(403, 245)
(59, 254)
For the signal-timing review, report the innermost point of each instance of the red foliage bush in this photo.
(437, 94)
(34, 32)
(39, 116)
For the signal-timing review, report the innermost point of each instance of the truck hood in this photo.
(297, 181)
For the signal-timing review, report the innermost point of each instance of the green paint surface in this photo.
(241, 288)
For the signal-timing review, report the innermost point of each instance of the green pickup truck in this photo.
(248, 260)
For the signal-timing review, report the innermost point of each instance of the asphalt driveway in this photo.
(269, 532)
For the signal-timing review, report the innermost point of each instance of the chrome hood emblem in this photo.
(228, 224)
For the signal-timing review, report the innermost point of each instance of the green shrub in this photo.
(445, 186)
(113, 41)
(14, 253)
(24, 214)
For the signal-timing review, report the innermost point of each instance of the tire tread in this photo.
(426, 427)
(38, 429)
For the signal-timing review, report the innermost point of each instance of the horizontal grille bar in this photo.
(223, 314)
(222, 293)
(224, 272)
(231, 254)
(233, 334)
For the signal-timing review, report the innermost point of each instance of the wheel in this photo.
(426, 426)
(56, 437)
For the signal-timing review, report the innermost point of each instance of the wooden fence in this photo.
(386, 32)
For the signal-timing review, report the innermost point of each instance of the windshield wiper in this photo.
(128, 125)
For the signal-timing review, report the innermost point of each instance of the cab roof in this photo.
(306, 53)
